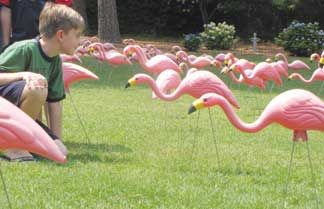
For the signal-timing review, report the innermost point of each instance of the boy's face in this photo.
(69, 41)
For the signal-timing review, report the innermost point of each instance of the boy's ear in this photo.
(59, 34)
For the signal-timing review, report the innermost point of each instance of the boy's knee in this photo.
(35, 94)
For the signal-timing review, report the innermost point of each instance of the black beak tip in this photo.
(191, 109)
(321, 65)
(127, 85)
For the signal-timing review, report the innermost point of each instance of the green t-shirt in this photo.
(28, 56)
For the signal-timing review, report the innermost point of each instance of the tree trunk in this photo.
(81, 7)
(108, 27)
(203, 11)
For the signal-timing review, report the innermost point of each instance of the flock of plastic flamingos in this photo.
(296, 109)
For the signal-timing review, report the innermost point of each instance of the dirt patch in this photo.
(267, 48)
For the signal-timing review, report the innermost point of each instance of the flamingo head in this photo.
(182, 56)
(235, 68)
(268, 60)
(129, 51)
(129, 41)
(216, 63)
(206, 100)
(314, 57)
(108, 46)
(137, 79)
(225, 70)
(183, 67)
(175, 49)
(226, 62)
(292, 76)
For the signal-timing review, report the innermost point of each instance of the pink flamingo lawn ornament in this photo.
(18, 130)
(295, 65)
(262, 70)
(112, 56)
(254, 81)
(195, 84)
(318, 75)
(73, 73)
(298, 110)
(197, 62)
(156, 64)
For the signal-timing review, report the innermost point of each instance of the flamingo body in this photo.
(18, 130)
(156, 64)
(166, 81)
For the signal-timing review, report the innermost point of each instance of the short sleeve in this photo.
(66, 2)
(15, 58)
(56, 91)
(5, 3)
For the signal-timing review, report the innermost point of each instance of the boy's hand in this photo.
(34, 80)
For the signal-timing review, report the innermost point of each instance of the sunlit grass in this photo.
(142, 155)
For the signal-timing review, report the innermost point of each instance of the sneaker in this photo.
(18, 155)
(61, 146)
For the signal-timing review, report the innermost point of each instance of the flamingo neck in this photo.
(166, 97)
(284, 59)
(256, 126)
(101, 51)
(245, 76)
(141, 56)
(233, 77)
(302, 78)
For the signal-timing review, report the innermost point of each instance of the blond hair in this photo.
(56, 17)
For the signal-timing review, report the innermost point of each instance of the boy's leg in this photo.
(31, 101)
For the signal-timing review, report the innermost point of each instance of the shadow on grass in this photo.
(115, 153)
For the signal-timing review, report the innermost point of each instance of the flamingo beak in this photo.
(196, 105)
(131, 82)
(224, 70)
(290, 78)
(321, 62)
(226, 62)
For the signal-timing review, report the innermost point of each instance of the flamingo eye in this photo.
(205, 99)
(136, 79)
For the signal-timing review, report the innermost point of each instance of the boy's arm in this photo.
(6, 78)
(55, 118)
(5, 24)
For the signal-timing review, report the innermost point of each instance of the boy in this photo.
(60, 29)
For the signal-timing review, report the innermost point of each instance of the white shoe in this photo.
(61, 146)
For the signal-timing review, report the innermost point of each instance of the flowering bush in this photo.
(192, 42)
(218, 37)
(301, 39)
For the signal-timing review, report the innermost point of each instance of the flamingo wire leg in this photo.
(195, 136)
(289, 172)
(214, 137)
(320, 89)
(312, 173)
(5, 189)
(78, 115)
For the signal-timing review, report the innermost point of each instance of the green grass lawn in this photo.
(143, 154)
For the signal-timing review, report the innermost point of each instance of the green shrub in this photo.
(301, 39)
(192, 42)
(218, 37)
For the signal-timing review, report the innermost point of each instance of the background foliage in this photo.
(178, 17)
